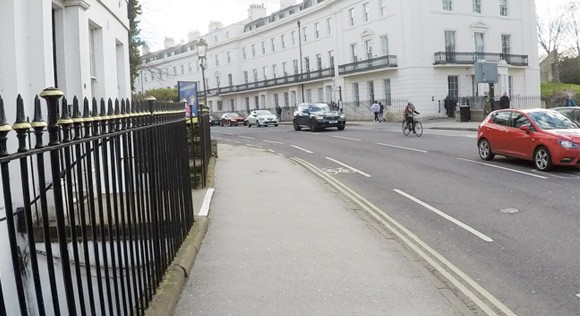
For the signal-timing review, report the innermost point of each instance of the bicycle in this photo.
(418, 127)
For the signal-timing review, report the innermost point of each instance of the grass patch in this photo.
(549, 88)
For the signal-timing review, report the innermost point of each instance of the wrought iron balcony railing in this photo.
(368, 64)
(297, 78)
(442, 58)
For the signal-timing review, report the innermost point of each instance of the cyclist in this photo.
(409, 112)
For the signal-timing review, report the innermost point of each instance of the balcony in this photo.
(443, 58)
(268, 83)
(368, 64)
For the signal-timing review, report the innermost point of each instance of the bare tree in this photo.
(559, 33)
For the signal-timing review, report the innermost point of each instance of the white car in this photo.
(262, 118)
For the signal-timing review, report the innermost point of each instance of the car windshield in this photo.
(551, 120)
(263, 112)
(319, 108)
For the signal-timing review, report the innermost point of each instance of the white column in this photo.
(76, 77)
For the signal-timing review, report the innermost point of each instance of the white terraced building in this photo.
(79, 46)
(354, 51)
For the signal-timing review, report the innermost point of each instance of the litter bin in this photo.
(465, 113)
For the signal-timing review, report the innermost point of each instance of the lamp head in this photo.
(201, 48)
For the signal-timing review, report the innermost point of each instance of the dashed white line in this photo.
(272, 141)
(227, 133)
(347, 138)
(503, 168)
(349, 167)
(300, 148)
(246, 137)
(401, 147)
(440, 213)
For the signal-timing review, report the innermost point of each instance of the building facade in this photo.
(78, 46)
(354, 51)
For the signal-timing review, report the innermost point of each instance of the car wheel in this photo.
(275, 124)
(296, 126)
(313, 126)
(485, 152)
(341, 127)
(543, 159)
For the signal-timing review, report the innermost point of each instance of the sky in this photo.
(176, 18)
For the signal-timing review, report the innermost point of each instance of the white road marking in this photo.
(204, 210)
(503, 168)
(440, 213)
(347, 138)
(572, 176)
(578, 295)
(351, 168)
(401, 147)
(300, 148)
(246, 137)
(272, 141)
(227, 133)
(271, 150)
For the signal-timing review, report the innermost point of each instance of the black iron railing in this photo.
(279, 81)
(94, 217)
(368, 64)
(472, 57)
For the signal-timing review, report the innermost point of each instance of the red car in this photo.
(231, 119)
(545, 137)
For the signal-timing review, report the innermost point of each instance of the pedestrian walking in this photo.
(279, 113)
(504, 101)
(381, 111)
(375, 109)
(570, 101)
(447, 105)
(452, 107)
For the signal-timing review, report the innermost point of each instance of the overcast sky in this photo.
(176, 18)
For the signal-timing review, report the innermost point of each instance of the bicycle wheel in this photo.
(418, 129)
(406, 129)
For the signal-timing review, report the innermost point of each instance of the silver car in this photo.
(262, 118)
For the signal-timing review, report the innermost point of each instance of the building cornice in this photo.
(80, 3)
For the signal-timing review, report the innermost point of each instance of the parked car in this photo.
(545, 137)
(317, 116)
(214, 120)
(261, 118)
(571, 112)
(231, 119)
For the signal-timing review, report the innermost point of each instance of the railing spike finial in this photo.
(20, 115)
(4, 127)
(51, 95)
(103, 112)
(38, 121)
(86, 111)
(65, 113)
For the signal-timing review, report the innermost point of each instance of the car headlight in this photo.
(342, 116)
(568, 144)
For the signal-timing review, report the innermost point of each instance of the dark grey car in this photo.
(317, 116)
(571, 112)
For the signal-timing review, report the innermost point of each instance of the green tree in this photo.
(134, 11)
(570, 70)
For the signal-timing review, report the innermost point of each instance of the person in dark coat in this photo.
(504, 101)
(447, 105)
(279, 113)
(452, 107)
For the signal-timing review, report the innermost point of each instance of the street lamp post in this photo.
(301, 69)
(201, 55)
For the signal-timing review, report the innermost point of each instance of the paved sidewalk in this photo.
(280, 242)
